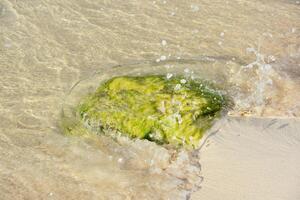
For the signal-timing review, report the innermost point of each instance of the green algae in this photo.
(174, 111)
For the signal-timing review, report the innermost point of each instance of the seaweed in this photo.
(175, 111)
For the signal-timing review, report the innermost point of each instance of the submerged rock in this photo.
(173, 111)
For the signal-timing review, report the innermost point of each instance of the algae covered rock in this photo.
(174, 111)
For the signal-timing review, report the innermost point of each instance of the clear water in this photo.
(47, 46)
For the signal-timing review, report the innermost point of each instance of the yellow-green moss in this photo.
(176, 111)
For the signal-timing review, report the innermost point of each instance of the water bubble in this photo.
(120, 160)
(183, 81)
(271, 58)
(177, 87)
(250, 49)
(268, 35)
(163, 57)
(195, 8)
(195, 31)
(169, 75)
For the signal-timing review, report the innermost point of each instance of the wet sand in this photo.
(252, 158)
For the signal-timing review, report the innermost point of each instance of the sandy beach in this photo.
(252, 158)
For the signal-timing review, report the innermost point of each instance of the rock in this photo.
(150, 108)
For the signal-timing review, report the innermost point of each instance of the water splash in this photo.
(253, 85)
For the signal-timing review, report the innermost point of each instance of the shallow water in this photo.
(47, 46)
